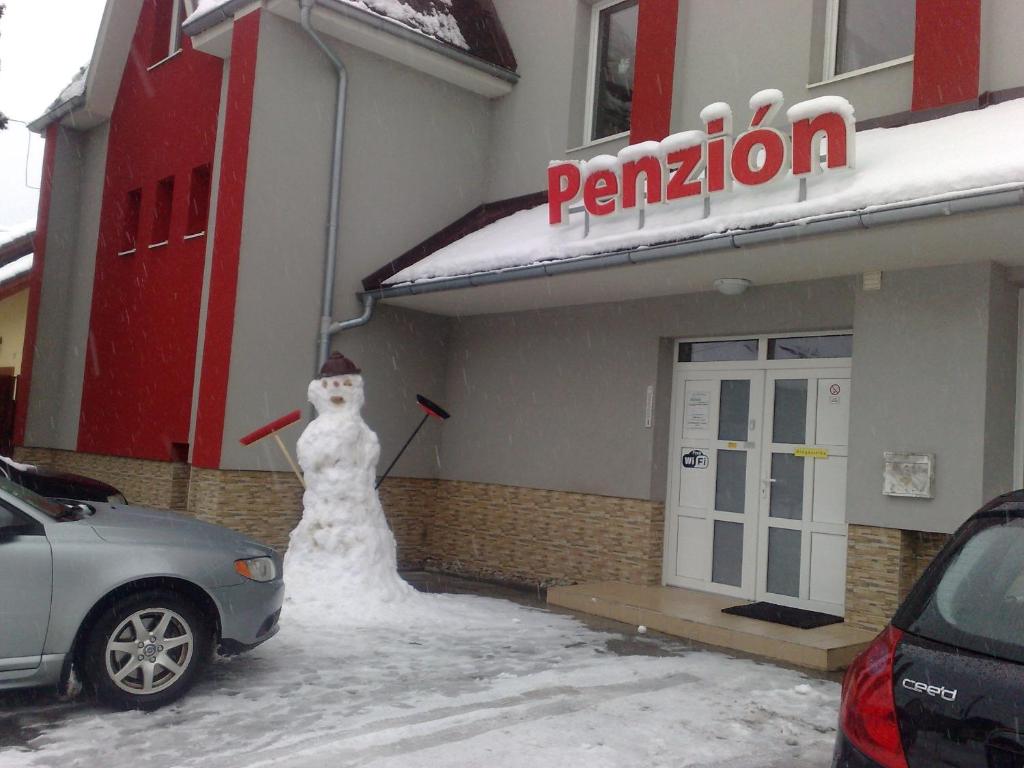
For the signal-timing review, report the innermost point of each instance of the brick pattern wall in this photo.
(263, 505)
(539, 537)
(161, 484)
(882, 564)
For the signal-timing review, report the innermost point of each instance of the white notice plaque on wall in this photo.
(910, 475)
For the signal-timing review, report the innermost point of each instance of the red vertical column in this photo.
(947, 52)
(35, 285)
(227, 244)
(655, 66)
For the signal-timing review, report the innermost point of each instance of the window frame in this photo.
(595, 27)
(831, 49)
(180, 10)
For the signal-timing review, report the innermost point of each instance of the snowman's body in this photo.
(342, 549)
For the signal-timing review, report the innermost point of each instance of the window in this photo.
(162, 212)
(130, 223)
(612, 67)
(810, 347)
(862, 34)
(717, 351)
(168, 18)
(198, 200)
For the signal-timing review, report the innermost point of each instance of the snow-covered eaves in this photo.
(463, 27)
(16, 240)
(69, 99)
(957, 163)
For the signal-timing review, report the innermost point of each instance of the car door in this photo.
(26, 584)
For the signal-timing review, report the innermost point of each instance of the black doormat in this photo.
(781, 614)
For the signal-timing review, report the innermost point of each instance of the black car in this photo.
(943, 684)
(59, 485)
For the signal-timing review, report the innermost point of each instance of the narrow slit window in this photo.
(612, 67)
(130, 223)
(198, 200)
(162, 212)
(868, 33)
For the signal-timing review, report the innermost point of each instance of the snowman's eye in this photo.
(348, 383)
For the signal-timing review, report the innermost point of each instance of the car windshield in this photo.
(46, 506)
(978, 602)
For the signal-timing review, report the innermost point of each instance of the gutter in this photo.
(864, 219)
(363, 16)
(57, 113)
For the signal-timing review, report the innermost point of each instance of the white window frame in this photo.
(828, 74)
(762, 362)
(588, 123)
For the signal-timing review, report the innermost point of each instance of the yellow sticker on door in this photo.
(807, 451)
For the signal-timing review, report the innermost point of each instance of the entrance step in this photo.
(698, 616)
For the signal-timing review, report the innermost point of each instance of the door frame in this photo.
(762, 363)
(806, 524)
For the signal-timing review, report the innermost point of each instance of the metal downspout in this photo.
(331, 251)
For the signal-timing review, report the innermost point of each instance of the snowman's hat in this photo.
(338, 365)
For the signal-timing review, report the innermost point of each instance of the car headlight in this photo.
(257, 568)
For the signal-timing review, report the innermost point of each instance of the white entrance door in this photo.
(756, 500)
(802, 521)
(714, 490)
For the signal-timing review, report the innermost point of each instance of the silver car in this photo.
(134, 599)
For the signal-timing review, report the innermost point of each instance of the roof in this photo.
(16, 246)
(962, 154)
(471, 26)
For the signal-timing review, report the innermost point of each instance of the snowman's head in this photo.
(337, 394)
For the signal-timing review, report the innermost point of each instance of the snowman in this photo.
(342, 551)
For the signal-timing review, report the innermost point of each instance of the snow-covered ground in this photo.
(452, 681)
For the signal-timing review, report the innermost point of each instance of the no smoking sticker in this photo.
(835, 389)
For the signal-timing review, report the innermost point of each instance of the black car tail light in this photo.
(867, 714)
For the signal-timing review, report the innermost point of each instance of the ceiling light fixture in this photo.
(732, 286)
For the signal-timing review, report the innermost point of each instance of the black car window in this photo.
(977, 600)
(44, 505)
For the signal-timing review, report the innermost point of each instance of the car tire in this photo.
(146, 650)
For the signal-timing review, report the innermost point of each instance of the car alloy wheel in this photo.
(149, 651)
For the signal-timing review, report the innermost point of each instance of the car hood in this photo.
(119, 524)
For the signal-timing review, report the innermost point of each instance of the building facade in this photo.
(810, 441)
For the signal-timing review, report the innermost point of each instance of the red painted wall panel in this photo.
(220, 311)
(35, 286)
(655, 67)
(137, 388)
(947, 52)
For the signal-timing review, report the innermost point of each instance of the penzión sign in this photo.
(696, 164)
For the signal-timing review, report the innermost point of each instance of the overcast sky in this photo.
(42, 45)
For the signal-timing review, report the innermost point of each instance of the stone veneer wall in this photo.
(504, 533)
(882, 564)
(539, 537)
(161, 484)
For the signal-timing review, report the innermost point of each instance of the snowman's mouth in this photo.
(338, 400)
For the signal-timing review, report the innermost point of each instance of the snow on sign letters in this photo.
(696, 164)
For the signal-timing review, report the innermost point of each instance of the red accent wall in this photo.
(220, 310)
(35, 285)
(947, 52)
(140, 361)
(655, 66)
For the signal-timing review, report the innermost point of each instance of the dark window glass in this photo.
(810, 347)
(130, 222)
(198, 199)
(789, 417)
(734, 409)
(614, 69)
(717, 351)
(872, 32)
(731, 482)
(727, 554)
(784, 562)
(162, 211)
(977, 602)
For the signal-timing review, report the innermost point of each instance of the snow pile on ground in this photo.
(484, 683)
(341, 556)
(951, 156)
(434, 20)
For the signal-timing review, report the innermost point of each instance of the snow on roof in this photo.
(72, 90)
(10, 233)
(472, 26)
(16, 268)
(959, 153)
